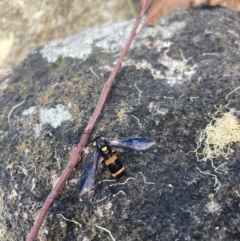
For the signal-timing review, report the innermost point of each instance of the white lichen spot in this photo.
(37, 130)
(55, 116)
(26, 151)
(156, 109)
(145, 65)
(13, 195)
(29, 111)
(63, 224)
(213, 207)
(102, 210)
(10, 165)
(108, 206)
(86, 239)
(52, 116)
(25, 216)
(69, 105)
(177, 71)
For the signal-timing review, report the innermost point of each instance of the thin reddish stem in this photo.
(77, 154)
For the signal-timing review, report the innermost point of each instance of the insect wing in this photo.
(137, 143)
(88, 177)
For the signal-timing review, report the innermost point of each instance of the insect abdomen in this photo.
(115, 166)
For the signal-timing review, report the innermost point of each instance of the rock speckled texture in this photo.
(182, 77)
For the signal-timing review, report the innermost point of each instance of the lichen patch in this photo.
(218, 136)
(52, 116)
(55, 116)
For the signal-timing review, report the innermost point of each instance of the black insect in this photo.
(110, 159)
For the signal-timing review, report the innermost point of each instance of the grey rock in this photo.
(175, 74)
